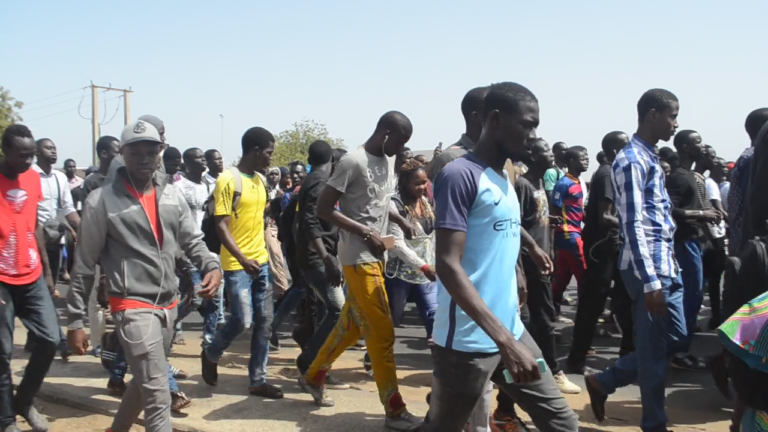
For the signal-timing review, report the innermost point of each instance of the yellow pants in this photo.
(366, 312)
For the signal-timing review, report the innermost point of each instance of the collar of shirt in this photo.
(466, 143)
(646, 148)
(575, 179)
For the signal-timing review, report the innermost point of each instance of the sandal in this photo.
(179, 401)
(266, 391)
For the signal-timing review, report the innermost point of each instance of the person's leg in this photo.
(238, 286)
(333, 299)
(145, 336)
(621, 307)
(459, 380)
(563, 274)
(688, 254)
(276, 263)
(541, 399)
(7, 316)
(714, 265)
(397, 294)
(289, 302)
(601, 263)
(34, 306)
(425, 297)
(190, 301)
(479, 420)
(262, 296)
(579, 263)
(542, 312)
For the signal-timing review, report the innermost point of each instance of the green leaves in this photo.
(292, 144)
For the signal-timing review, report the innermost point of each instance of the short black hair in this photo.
(15, 131)
(682, 138)
(574, 153)
(474, 101)
(609, 139)
(171, 153)
(395, 121)
(41, 141)
(600, 156)
(507, 97)
(188, 153)
(559, 146)
(654, 99)
(209, 154)
(70, 160)
(256, 137)
(664, 152)
(755, 121)
(673, 159)
(338, 153)
(296, 163)
(319, 153)
(104, 142)
(537, 143)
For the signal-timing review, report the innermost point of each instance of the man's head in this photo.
(403, 156)
(273, 176)
(612, 143)
(707, 161)
(70, 166)
(298, 172)
(395, 130)
(657, 112)
(577, 160)
(601, 158)
(510, 120)
(558, 149)
(157, 123)
(172, 160)
(285, 179)
(472, 108)
(107, 147)
(755, 121)
(542, 158)
(258, 144)
(422, 159)
(214, 161)
(19, 148)
(140, 145)
(46, 152)
(719, 170)
(319, 153)
(194, 160)
(688, 142)
(337, 155)
(665, 167)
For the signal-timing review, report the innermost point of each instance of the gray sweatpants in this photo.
(460, 379)
(145, 336)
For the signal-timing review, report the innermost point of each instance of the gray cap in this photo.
(139, 131)
(154, 121)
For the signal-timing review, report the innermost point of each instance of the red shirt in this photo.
(19, 256)
(149, 203)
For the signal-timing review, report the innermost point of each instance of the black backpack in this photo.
(210, 236)
(746, 276)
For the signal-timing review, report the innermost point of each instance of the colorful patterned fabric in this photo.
(754, 421)
(745, 333)
(568, 197)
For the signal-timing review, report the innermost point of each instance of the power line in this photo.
(117, 107)
(49, 105)
(54, 96)
(65, 111)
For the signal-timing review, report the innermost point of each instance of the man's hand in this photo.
(250, 266)
(50, 283)
(430, 273)
(210, 284)
(73, 233)
(409, 229)
(711, 216)
(655, 303)
(519, 361)
(332, 272)
(542, 260)
(555, 220)
(522, 292)
(375, 244)
(78, 341)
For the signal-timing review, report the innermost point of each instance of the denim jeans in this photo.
(208, 309)
(655, 340)
(689, 256)
(399, 292)
(250, 302)
(327, 315)
(290, 302)
(34, 306)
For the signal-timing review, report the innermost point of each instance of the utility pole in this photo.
(96, 133)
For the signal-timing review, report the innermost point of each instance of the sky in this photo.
(345, 63)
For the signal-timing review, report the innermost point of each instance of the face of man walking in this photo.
(141, 158)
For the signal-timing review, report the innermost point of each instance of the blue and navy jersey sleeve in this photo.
(560, 192)
(455, 193)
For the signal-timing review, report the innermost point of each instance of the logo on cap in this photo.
(140, 127)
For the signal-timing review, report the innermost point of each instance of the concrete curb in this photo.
(49, 394)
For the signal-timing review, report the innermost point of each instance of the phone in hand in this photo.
(389, 241)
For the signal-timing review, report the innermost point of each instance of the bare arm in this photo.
(605, 210)
(326, 209)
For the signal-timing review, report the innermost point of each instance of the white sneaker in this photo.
(565, 385)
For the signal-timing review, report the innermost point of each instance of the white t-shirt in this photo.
(725, 188)
(195, 194)
(713, 190)
(57, 199)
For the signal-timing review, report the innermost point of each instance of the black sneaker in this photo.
(210, 370)
(274, 343)
(690, 363)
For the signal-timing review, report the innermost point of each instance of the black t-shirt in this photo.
(682, 189)
(534, 211)
(92, 182)
(310, 226)
(600, 188)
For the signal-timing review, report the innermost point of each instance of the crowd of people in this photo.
(485, 239)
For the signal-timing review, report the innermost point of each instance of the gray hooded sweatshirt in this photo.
(116, 234)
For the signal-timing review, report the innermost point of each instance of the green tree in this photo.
(8, 110)
(293, 143)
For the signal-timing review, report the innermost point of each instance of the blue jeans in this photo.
(327, 315)
(400, 292)
(655, 340)
(208, 309)
(119, 367)
(290, 302)
(250, 302)
(689, 256)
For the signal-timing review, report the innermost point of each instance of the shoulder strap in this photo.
(238, 188)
